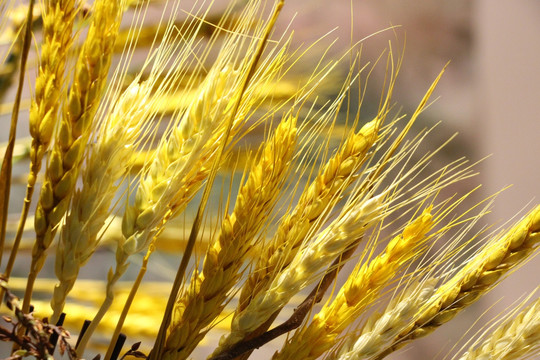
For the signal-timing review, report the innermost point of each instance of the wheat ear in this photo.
(474, 279)
(380, 329)
(106, 163)
(323, 192)
(180, 164)
(91, 71)
(360, 289)
(516, 338)
(58, 17)
(134, 104)
(316, 256)
(206, 295)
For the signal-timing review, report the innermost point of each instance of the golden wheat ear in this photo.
(322, 194)
(209, 289)
(90, 76)
(381, 328)
(106, 166)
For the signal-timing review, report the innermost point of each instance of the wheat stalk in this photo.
(478, 276)
(208, 290)
(360, 289)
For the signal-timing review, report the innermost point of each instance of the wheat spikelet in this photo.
(477, 277)
(360, 289)
(322, 194)
(380, 329)
(209, 290)
(106, 163)
(516, 338)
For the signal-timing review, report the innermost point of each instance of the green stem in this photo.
(5, 177)
(111, 282)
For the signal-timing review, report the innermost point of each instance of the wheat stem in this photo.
(5, 173)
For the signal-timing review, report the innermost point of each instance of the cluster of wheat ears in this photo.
(124, 152)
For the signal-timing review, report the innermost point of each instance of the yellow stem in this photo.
(129, 301)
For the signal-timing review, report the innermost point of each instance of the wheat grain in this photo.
(209, 289)
(360, 289)
(516, 338)
(477, 277)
